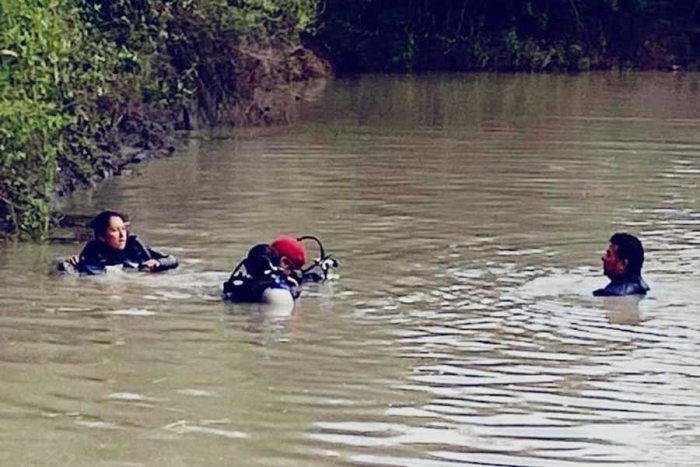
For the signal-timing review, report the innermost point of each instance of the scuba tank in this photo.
(251, 278)
(259, 273)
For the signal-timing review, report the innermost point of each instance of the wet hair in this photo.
(100, 223)
(629, 248)
(261, 258)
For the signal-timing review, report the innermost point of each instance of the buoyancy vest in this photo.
(242, 287)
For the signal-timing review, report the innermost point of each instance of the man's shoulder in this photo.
(634, 286)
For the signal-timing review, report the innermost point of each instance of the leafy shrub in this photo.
(77, 74)
(33, 68)
(501, 34)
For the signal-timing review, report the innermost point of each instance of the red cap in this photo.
(292, 248)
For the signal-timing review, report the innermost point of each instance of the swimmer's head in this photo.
(291, 253)
(111, 227)
(625, 255)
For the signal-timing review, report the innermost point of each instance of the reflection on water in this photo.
(469, 213)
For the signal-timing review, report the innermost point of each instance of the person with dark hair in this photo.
(622, 264)
(113, 245)
(259, 278)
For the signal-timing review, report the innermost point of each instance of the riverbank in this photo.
(273, 82)
(90, 88)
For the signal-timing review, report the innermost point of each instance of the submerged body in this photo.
(260, 279)
(113, 246)
(97, 255)
(630, 284)
(274, 273)
(272, 289)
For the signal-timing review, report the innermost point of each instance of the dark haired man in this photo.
(622, 264)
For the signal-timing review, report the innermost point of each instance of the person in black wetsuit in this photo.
(622, 264)
(113, 245)
(263, 280)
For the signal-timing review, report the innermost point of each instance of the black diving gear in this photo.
(260, 271)
(256, 274)
(97, 255)
(321, 268)
(628, 284)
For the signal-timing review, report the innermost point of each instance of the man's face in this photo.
(613, 266)
(286, 266)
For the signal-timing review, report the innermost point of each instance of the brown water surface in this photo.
(468, 212)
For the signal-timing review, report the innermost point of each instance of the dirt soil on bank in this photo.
(267, 86)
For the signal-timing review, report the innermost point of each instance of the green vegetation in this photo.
(79, 78)
(532, 35)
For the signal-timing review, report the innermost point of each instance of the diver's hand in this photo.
(293, 281)
(73, 260)
(150, 265)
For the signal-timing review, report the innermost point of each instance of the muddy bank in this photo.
(266, 84)
(260, 85)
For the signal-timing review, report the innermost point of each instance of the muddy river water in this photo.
(468, 213)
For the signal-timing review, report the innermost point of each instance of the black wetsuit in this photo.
(629, 284)
(246, 288)
(97, 255)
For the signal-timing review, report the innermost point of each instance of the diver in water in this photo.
(113, 245)
(274, 273)
(622, 264)
(261, 278)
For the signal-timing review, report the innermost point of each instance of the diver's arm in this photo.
(72, 260)
(148, 259)
(164, 262)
